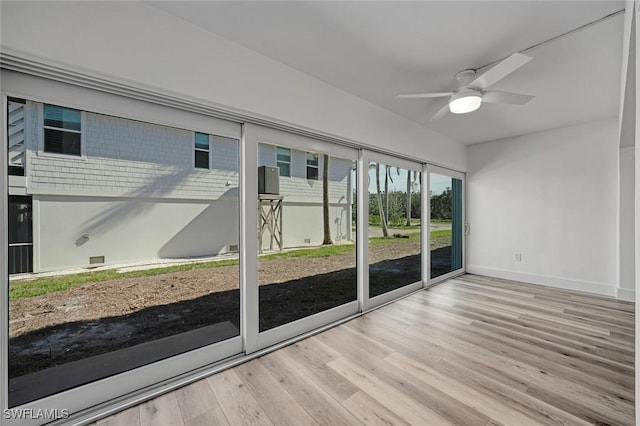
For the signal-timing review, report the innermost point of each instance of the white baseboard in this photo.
(626, 294)
(546, 280)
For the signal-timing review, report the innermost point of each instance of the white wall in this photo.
(143, 44)
(129, 230)
(551, 196)
(302, 223)
(627, 224)
(151, 166)
(627, 142)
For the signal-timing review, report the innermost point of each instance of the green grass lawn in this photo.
(442, 233)
(44, 285)
(39, 286)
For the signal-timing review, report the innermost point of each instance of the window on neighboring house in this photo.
(202, 150)
(312, 166)
(62, 130)
(284, 161)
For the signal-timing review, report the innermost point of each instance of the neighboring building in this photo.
(301, 185)
(88, 189)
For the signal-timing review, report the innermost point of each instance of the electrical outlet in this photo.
(517, 257)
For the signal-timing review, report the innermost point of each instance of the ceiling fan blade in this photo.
(494, 97)
(500, 71)
(441, 113)
(424, 95)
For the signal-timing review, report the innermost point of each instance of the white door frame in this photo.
(255, 340)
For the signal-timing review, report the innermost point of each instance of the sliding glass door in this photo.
(394, 231)
(446, 224)
(306, 268)
(122, 255)
(203, 240)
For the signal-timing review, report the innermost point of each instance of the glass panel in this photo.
(312, 173)
(61, 142)
(20, 229)
(312, 159)
(445, 224)
(283, 157)
(284, 154)
(394, 228)
(130, 280)
(202, 159)
(66, 118)
(284, 169)
(307, 241)
(202, 141)
(312, 166)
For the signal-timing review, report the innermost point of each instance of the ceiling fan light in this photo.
(465, 102)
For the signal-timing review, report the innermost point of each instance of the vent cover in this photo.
(96, 259)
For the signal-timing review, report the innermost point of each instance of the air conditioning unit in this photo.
(268, 180)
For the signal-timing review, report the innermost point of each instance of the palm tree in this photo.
(325, 201)
(387, 176)
(408, 203)
(383, 219)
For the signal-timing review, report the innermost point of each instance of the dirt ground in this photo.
(96, 318)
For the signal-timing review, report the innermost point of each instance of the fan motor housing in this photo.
(465, 77)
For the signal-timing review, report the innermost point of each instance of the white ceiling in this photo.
(376, 50)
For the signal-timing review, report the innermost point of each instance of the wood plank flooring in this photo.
(470, 351)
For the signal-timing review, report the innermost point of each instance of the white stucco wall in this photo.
(302, 204)
(137, 196)
(628, 142)
(139, 43)
(129, 230)
(627, 224)
(551, 196)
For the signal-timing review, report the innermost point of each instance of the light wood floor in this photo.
(471, 351)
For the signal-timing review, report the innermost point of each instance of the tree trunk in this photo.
(383, 220)
(386, 194)
(408, 223)
(325, 201)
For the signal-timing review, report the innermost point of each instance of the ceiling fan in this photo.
(472, 89)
